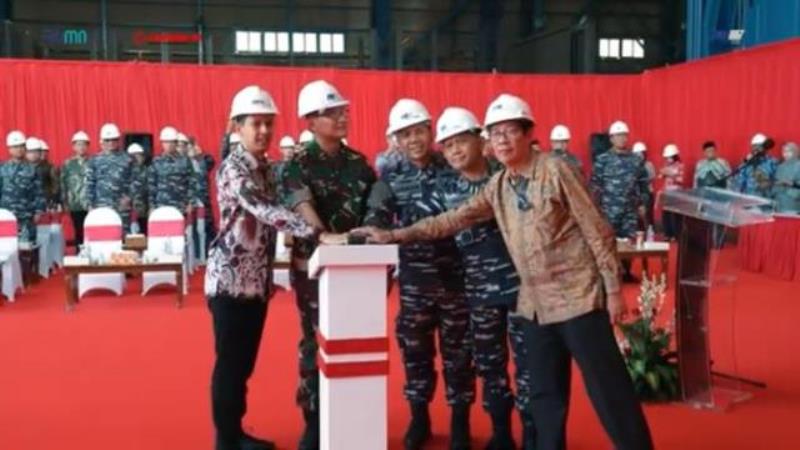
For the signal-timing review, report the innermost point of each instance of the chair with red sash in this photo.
(200, 224)
(43, 240)
(188, 235)
(166, 238)
(102, 234)
(9, 255)
(57, 241)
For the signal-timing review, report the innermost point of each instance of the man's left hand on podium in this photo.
(375, 235)
(333, 238)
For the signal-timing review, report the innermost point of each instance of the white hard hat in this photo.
(560, 133)
(453, 121)
(135, 148)
(405, 113)
(287, 141)
(318, 96)
(306, 136)
(252, 100)
(670, 150)
(182, 138)
(45, 147)
(80, 136)
(168, 134)
(33, 144)
(758, 139)
(109, 131)
(618, 127)
(15, 138)
(639, 147)
(234, 138)
(507, 107)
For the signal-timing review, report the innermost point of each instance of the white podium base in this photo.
(352, 413)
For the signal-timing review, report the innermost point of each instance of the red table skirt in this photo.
(772, 248)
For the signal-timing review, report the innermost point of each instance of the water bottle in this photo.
(651, 234)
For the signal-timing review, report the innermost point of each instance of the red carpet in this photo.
(132, 373)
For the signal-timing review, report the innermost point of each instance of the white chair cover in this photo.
(57, 242)
(165, 236)
(9, 255)
(190, 259)
(200, 223)
(102, 234)
(43, 239)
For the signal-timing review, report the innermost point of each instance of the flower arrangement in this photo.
(646, 345)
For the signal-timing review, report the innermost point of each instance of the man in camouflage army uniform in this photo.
(49, 174)
(73, 184)
(171, 180)
(491, 281)
(20, 186)
(108, 176)
(559, 143)
(431, 280)
(328, 185)
(182, 144)
(202, 165)
(620, 185)
(288, 148)
(139, 188)
(388, 157)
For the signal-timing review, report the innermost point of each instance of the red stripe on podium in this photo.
(353, 369)
(355, 345)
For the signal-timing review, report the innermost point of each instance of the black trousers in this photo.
(672, 224)
(142, 222)
(77, 224)
(238, 326)
(588, 339)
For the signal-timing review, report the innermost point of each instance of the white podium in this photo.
(353, 344)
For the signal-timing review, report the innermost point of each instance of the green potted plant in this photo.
(646, 341)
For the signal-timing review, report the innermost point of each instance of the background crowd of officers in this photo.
(121, 179)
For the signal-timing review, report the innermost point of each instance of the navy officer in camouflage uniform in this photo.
(431, 280)
(139, 197)
(108, 176)
(328, 184)
(170, 179)
(491, 281)
(21, 189)
(620, 184)
(559, 143)
(202, 166)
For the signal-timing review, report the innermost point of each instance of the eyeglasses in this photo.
(508, 133)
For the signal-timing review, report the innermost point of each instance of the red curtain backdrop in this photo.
(772, 248)
(726, 98)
